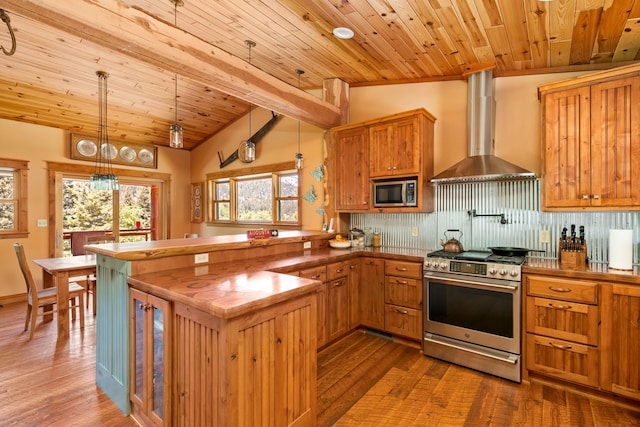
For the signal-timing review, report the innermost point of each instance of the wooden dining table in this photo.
(56, 272)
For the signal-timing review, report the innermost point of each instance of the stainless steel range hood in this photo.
(481, 164)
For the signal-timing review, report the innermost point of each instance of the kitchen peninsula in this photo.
(234, 336)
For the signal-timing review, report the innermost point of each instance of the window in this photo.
(13, 198)
(266, 195)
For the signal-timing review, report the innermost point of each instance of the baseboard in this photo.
(10, 299)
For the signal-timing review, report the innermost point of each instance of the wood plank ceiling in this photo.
(145, 44)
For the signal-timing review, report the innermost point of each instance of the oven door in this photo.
(482, 311)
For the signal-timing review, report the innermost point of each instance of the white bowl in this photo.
(342, 244)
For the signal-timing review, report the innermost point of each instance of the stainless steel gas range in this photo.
(472, 309)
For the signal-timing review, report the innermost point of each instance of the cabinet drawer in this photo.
(403, 291)
(563, 289)
(337, 270)
(316, 273)
(403, 268)
(563, 319)
(403, 321)
(562, 359)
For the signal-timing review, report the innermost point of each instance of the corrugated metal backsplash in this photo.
(518, 201)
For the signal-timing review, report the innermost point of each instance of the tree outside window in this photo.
(255, 196)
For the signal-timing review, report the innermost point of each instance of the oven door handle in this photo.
(476, 284)
(509, 359)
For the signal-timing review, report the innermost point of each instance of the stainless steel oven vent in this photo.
(481, 164)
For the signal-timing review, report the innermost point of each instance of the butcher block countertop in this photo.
(597, 271)
(232, 289)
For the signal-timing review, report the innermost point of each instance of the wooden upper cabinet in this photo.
(395, 148)
(352, 166)
(615, 143)
(591, 147)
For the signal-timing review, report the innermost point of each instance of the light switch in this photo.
(201, 258)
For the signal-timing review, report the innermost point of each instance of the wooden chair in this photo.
(49, 296)
(91, 280)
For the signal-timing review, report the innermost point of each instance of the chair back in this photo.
(26, 272)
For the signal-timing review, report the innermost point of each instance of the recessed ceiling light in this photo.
(343, 33)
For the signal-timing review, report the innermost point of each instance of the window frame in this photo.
(20, 170)
(260, 172)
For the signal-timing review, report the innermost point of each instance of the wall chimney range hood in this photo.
(481, 164)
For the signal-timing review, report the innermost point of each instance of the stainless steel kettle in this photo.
(452, 245)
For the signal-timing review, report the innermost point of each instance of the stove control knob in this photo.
(513, 273)
(427, 264)
(503, 272)
(443, 265)
(492, 270)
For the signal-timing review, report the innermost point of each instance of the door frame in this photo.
(58, 170)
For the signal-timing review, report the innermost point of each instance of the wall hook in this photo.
(7, 20)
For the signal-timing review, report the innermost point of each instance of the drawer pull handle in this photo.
(397, 310)
(352, 267)
(402, 282)
(560, 306)
(315, 276)
(561, 347)
(401, 269)
(554, 289)
(339, 270)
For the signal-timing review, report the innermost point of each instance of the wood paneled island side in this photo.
(235, 343)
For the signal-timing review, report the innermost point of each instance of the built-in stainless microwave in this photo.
(395, 192)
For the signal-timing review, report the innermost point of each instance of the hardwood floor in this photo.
(363, 380)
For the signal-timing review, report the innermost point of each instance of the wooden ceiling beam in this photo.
(118, 26)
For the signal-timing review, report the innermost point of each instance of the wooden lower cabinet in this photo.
(371, 292)
(563, 328)
(319, 273)
(258, 369)
(621, 339)
(150, 332)
(403, 298)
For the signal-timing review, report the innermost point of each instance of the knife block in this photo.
(573, 260)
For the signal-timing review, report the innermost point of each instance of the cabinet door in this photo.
(372, 293)
(563, 319)
(566, 126)
(352, 190)
(563, 359)
(337, 308)
(380, 150)
(319, 273)
(150, 359)
(615, 145)
(621, 339)
(394, 148)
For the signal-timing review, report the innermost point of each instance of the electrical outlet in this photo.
(201, 258)
(42, 223)
(414, 231)
(545, 236)
(306, 245)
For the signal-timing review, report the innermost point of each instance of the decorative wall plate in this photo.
(86, 147)
(108, 151)
(128, 154)
(145, 156)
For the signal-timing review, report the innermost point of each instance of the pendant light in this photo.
(103, 177)
(299, 158)
(175, 130)
(250, 146)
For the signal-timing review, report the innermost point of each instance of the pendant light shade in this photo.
(175, 135)
(103, 177)
(299, 158)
